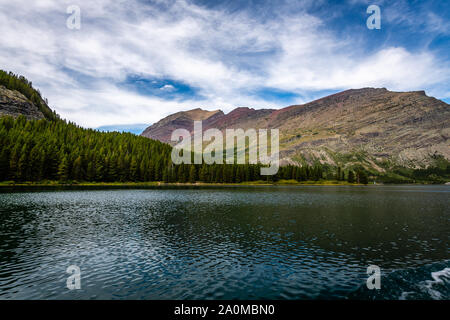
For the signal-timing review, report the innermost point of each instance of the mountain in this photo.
(18, 97)
(372, 127)
(14, 103)
(162, 130)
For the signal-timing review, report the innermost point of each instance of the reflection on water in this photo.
(221, 243)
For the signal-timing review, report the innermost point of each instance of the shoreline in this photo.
(158, 184)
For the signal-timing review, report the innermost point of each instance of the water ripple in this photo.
(226, 243)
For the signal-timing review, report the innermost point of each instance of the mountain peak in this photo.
(403, 127)
(162, 130)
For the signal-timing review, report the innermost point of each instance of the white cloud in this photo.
(223, 55)
(394, 68)
(167, 87)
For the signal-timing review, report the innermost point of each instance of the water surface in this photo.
(307, 242)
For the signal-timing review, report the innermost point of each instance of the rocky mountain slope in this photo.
(372, 127)
(162, 130)
(19, 97)
(14, 103)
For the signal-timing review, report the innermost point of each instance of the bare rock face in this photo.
(369, 126)
(14, 103)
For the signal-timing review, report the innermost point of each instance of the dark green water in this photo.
(226, 243)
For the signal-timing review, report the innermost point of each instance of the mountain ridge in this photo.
(404, 128)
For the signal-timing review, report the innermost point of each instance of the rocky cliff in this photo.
(14, 103)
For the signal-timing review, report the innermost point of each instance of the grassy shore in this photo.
(163, 184)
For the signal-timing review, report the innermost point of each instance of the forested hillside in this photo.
(55, 150)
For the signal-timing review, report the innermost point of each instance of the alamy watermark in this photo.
(374, 20)
(74, 280)
(374, 280)
(236, 148)
(73, 22)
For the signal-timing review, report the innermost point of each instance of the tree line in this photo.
(236, 173)
(358, 176)
(36, 150)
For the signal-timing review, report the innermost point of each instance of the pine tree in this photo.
(166, 175)
(63, 169)
(363, 177)
(36, 163)
(351, 177)
(181, 175)
(338, 175)
(151, 172)
(112, 169)
(22, 166)
(202, 173)
(4, 164)
(77, 169)
(99, 168)
(238, 178)
(143, 172)
(192, 174)
(157, 172)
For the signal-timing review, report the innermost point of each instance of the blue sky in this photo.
(134, 62)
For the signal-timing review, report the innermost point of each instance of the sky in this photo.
(134, 62)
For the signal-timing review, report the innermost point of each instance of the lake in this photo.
(265, 242)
